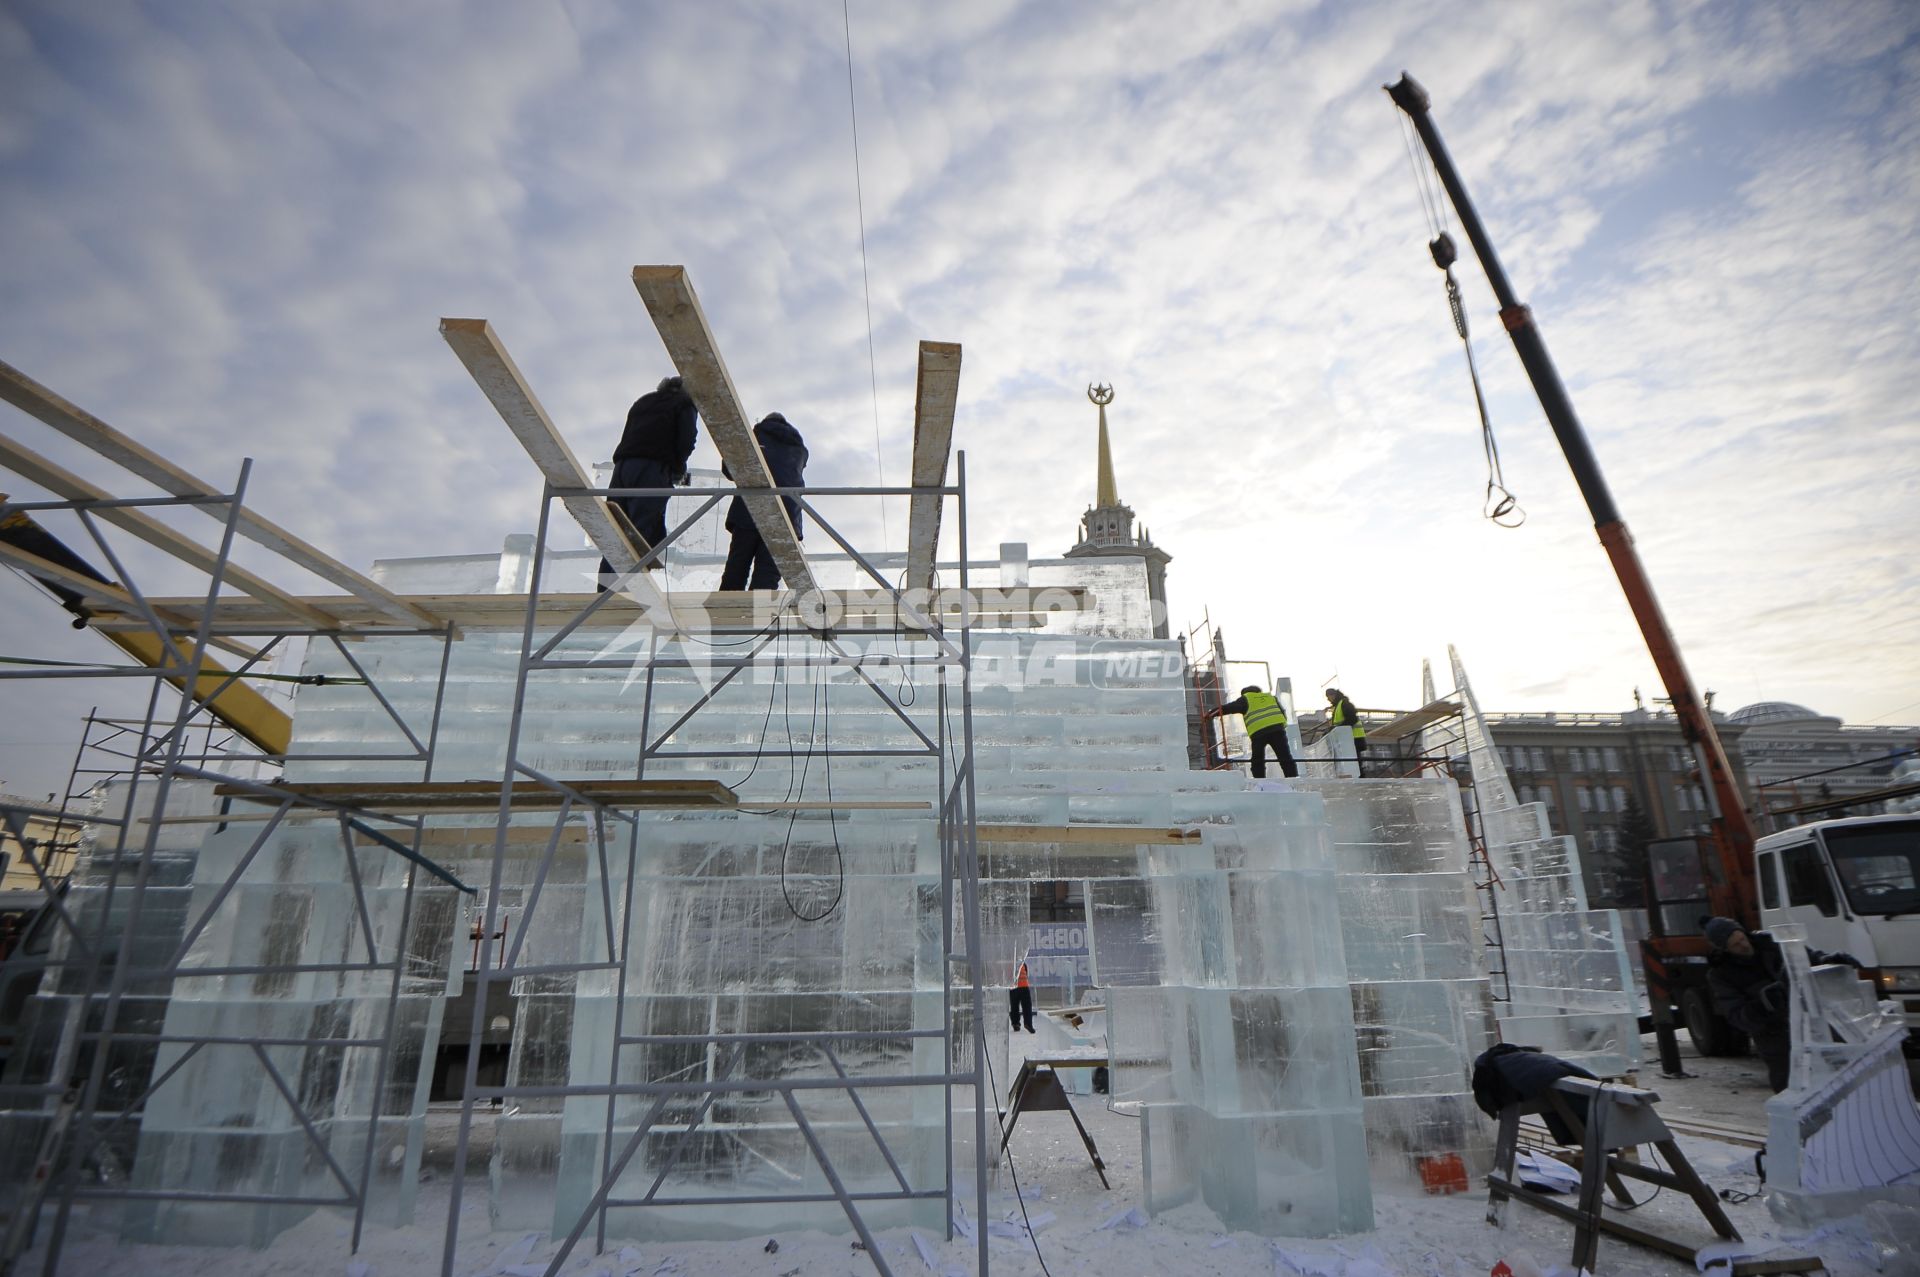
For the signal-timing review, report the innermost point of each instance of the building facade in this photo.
(1810, 766)
(1612, 782)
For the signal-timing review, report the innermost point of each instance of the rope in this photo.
(866, 287)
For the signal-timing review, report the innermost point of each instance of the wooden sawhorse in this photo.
(1618, 1118)
(1036, 1088)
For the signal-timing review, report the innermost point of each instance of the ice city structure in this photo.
(766, 991)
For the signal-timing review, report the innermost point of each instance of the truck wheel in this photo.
(1711, 1035)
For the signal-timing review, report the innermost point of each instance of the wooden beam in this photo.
(531, 834)
(484, 795)
(936, 391)
(64, 483)
(494, 371)
(1103, 835)
(28, 395)
(78, 582)
(1414, 720)
(683, 328)
(855, 610)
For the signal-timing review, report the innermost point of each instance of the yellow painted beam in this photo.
(247, 712)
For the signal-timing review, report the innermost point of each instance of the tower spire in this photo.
(1106, 490)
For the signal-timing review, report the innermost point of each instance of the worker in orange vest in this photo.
(1020, 1000)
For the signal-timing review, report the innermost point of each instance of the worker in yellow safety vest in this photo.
(1266, 729)
(1342, 714)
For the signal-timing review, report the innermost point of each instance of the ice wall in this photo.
(1421, 1005)
(1240, 1053)
(1237, 996)
(1571, 992)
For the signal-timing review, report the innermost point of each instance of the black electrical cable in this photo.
(840, 870)
(1007, 1152)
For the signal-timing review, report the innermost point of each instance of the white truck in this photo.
(1854, 884)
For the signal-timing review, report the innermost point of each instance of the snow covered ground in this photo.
(1080, 1228)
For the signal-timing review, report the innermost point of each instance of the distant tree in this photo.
(1637, 831)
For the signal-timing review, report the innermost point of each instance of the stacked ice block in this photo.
(1421, 1004)
(1234, 985)
(1572, 993)
(1241, 1051)
(290, 1117)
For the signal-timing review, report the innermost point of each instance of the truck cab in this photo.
(1854, 885)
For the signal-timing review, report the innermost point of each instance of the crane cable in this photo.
(1500, 506)
(866, 285)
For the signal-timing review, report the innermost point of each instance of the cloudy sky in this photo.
(230, 230)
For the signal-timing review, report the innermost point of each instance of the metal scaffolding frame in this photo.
(158, 752)
(959, 846)
(170, 639)
(153, 755)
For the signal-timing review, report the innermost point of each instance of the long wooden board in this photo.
(484, 795)
(28, 395)
(936, 393)
(69, 486)
(676, 312)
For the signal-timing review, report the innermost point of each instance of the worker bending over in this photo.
(1341, 713)
(786, 454)
(1751, 988)
(1266, 729)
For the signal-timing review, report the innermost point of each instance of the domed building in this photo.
(1804, 765)
(1777, 712)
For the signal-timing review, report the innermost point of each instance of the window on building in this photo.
(1525, 793)
(1539, 759)
(1600, 798)
(1683, 797)
(1619, 798)
(1612, 758)
(1807, 881)
(1586, 798)
(1546, 797)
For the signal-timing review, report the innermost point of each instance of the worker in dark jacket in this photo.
(661, 428)
(786, 455)
(1341, 713)
(1748, 976)
(1266, 729)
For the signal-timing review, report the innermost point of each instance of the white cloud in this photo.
(231, 230)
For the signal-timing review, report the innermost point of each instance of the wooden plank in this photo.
(532, 833)
(1409, 723)
(71, 487)
(1106, 835)
(855, 609)
(683, 328)
(83, 427)
(483, 795)
(498, 377)
(936, 391)
(78, 582)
